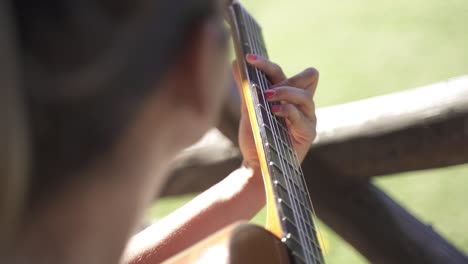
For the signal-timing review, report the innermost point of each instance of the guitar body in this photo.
(239, 243)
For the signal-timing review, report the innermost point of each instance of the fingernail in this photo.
(275, 108)
(252, 57)
(269, 93)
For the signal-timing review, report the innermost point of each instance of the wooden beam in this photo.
(417, 129)
(374, 224)
(204, 164)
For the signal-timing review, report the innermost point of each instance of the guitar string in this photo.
(287, 168)
(248, 33)
(290, 154)
(305, 196)
(299, 176)
(310, 214)
(300, 179)
(307, 201)
(295, 161)
(318, 238)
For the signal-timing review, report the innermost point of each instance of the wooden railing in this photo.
(418, 129)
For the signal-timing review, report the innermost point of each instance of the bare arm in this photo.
(238, 197)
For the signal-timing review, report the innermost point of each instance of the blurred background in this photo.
(363, 49)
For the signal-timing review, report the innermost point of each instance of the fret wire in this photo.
(312, 213)
(301, 187)
(292, 153)
(262, 80)
(275, 121)
(278, 156)
(307, 226)
(300, 212)
(299, 194)
(303, 237)
(292, 225)
(293, 157)
(304, 199)
(283, 186)
(286, 219)
(308, 203)
(253, 48)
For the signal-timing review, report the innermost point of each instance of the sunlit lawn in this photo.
(365, 48)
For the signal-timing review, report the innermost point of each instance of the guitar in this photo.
(291, 235)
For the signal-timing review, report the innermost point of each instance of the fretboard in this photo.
(294, 209)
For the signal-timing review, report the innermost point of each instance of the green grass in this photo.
(368, 48)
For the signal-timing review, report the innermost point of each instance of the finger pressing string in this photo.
(299, 97)
(273, 71)
(289, 112)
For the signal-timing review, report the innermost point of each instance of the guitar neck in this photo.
(289, 210)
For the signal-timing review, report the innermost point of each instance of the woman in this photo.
(113, 90)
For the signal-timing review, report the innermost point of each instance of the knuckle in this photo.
(283, 110)
(288, 109)
(261, 61)
(308, 95)
(314, 135)
(276, 69)
(280, 92)
(314, 119)
(278, 96)
(312, 113)
(309, 113)
(310, 74)
(311, 71)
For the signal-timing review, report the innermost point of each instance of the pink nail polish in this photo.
(275, 108)
(252, 57)
(269, 93)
